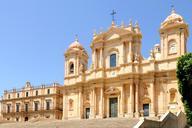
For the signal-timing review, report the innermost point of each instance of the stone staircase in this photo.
(91, 123)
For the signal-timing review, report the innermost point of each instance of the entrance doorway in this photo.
(26, 118)
(113, 107)
(87, 113)
(146, 109)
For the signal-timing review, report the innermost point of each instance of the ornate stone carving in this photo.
(112, 90)
(145, 90)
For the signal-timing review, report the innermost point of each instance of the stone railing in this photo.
(168, 120)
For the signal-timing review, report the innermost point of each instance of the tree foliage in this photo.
(184, 75)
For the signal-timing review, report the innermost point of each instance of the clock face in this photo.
(172, 47)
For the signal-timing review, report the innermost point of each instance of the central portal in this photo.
(113, 107)
(146, 109)
(87, 113)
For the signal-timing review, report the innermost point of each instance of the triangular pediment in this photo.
(113, 36)
(115, 33)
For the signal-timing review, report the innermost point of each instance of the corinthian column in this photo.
(93, 103)
(137, 99)
(101, 57)
(122, 101)
(101, 103)
(131, 101)
(65, 109)
(80, 103)
(152, 111)
(130, 52)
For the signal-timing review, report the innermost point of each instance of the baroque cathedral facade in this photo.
(119, 83)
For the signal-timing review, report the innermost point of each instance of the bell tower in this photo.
(174, 33)
(76, 60)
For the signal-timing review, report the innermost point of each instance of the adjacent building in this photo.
(30, 103)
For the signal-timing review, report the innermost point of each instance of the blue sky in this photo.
(35, 33)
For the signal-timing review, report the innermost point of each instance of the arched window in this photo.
(27, 94)
(9, 96)
(113, 60)
(71, 68)
(172, 47)
(17, 95)
(71, 105)
(36, 93)
(173, 95)
(48, 91)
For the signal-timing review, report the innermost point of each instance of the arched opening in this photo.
(146, 102)
(71, 103)
(71, 68)
(172, 48)
(17, 119)
(172, 95)
(87, 109)
(26, 118)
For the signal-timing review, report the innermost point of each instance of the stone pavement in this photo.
(92, 123)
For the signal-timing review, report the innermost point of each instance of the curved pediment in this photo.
(146, 100)
(112, 90)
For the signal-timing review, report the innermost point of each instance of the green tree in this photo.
(184, 75)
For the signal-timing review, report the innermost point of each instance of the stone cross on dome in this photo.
(172, 9)
(113, 14)
(76, 38)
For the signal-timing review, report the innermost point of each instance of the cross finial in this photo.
(172, 9)
(76, 37)
(113, 15)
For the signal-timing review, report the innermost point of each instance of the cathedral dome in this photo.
(76, 45)
(172, 18)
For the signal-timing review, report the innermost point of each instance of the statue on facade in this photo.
(145, 90)
(81, 68)
(136, 58)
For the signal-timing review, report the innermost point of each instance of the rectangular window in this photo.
(36, 106)
(26, 107)
(17, 107)
(47, 105)
(113, 60)
(8, 108)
